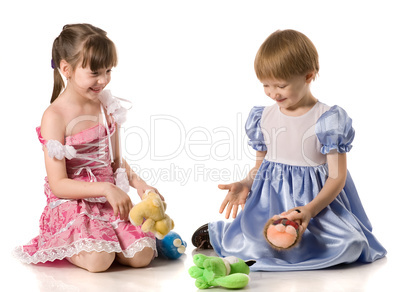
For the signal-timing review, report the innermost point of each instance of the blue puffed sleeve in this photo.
(253, 129)
(334, 130)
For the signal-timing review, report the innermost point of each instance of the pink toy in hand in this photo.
(282, 233)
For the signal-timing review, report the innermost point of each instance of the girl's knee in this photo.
(100, 262)
(144, 257)
(140, 260)
(94, 262)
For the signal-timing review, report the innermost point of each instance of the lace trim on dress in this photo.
(121, 179)
(113, 106)
(139, 245)
(87, 245)
(58, 150)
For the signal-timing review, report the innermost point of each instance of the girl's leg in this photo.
(141, 259)
(94, 262)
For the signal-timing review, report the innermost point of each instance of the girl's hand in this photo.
(143, 186)
(302, 218)
(236, 196)
(119, 200)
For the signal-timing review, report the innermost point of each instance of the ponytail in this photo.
(58, 84)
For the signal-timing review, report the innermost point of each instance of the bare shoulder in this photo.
(53, 123)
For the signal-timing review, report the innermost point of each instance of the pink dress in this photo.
(68, 227)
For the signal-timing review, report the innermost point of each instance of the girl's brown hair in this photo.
(83, 43)
(285, 54)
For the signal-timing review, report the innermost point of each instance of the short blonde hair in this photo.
(285, 54)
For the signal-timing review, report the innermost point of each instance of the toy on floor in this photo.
(172, 246)
(229, 272)
(152, 209)
(282, 233)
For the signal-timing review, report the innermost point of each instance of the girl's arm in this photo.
(134, 179)
(337, 167)
(238, 191)
(62, 187)
(333, 186)
(137, 182)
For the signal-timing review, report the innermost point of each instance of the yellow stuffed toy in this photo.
(152, 209)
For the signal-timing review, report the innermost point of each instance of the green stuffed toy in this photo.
(229, 272)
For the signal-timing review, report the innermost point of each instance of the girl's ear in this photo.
(310, 77)
(65, 69)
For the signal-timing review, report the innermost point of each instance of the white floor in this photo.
(165, 275)
(191, 206)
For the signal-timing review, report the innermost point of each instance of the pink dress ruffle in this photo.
(68, 227)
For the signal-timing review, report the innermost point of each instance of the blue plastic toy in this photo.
(172, 246)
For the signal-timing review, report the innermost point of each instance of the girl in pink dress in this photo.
(86, 216)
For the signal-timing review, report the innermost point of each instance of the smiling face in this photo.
(87, 83)
(82, 47)
(289, 94)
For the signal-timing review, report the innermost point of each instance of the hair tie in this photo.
(52, 63)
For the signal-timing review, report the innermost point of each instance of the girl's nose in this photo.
(273, 94)
(269, 93)
(102, 79)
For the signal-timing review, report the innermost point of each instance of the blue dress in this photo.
(291, 175)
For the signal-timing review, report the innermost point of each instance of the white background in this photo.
(187, 67)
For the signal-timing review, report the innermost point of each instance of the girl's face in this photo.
(89, 84)
(288, 94)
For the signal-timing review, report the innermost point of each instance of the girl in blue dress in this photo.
(301, 145)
